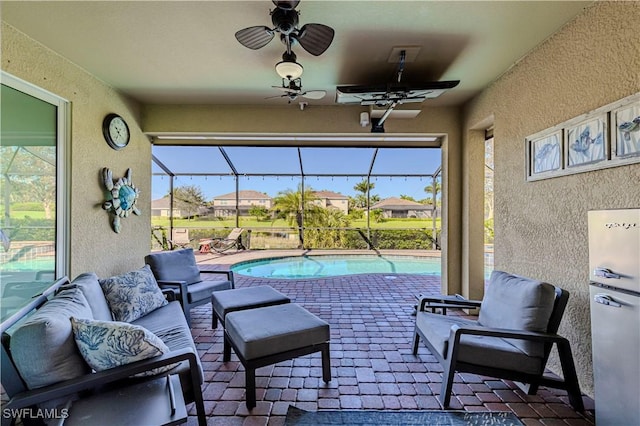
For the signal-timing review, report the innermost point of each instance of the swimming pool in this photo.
(46, 263)
(297, 267)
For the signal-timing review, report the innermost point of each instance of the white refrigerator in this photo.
(614, 261)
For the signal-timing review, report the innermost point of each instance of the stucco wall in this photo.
(94, 246)
(541, 227)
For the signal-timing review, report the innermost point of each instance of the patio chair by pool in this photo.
(177, 270)
(512, 338)
(220, 245)
(179, 238)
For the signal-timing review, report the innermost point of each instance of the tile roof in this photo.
(160, 203)
(243, 195)
(329, 194)
(395, 203)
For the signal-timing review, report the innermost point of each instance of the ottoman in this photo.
(268, 335)
(239, 299)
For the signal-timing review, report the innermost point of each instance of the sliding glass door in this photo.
(32, 191)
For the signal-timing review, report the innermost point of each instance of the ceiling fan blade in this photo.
(315, 38)
(276, 96)
(255, 37)
(314, 94)
(286, 5)
(288, 90)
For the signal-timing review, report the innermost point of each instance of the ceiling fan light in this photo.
(289, 69)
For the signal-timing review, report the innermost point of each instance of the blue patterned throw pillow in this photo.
(109, 344)
(132, 295)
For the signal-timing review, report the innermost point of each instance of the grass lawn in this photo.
(33, 214)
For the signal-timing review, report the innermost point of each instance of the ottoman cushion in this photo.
(238, 299)
(274, 329)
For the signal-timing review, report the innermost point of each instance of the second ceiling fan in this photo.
(293, 88)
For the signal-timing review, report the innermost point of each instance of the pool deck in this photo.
(372, 367)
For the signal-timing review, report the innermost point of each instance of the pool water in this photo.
(297, 267)
(46, 263)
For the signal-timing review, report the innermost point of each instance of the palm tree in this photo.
(294, 205)
(429, 189)
(360, 200)
(332, 234)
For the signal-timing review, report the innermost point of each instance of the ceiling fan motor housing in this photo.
(285, 21)
(286, 4)
(314, 38)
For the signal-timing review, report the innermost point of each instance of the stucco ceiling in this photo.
(185, 51)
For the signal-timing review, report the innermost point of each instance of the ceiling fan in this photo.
(391, 95)
(293, 88)
(314, 38)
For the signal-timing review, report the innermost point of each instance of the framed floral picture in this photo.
(626, 130)
(545, 154)
(587, 142)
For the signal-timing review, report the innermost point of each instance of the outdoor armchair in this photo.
(512, 338)
(177, 270)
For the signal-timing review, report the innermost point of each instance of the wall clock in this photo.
(115, 131)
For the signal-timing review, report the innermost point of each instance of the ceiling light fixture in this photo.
(288, 67)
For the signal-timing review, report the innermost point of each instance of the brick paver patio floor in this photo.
(372, 366)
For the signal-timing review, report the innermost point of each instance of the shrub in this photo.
(25, 207)
(29, 229)
(403, 240)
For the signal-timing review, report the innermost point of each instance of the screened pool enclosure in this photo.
(284, 196)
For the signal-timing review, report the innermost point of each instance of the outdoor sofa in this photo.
(122, 327)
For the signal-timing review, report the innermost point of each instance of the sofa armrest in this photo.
(169, 294)
(94, 380)
(229, 275)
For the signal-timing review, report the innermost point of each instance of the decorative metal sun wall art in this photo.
(121, 197)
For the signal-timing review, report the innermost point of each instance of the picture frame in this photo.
(625, 131)
(586, 142)
(544, 154)
(608, 136)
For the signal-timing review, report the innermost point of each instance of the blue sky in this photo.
(249, 161)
